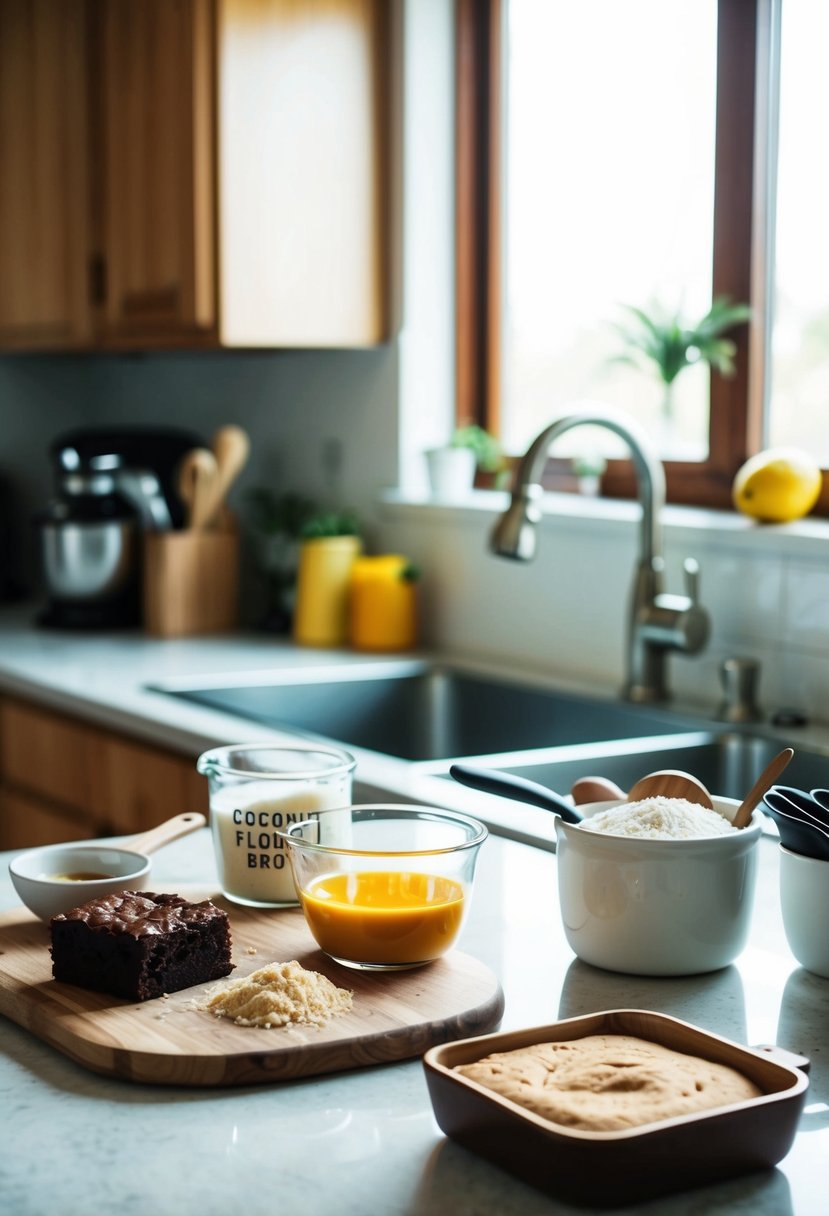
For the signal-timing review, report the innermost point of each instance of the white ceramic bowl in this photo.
(34, 875)
(657, 907)
(804, 900)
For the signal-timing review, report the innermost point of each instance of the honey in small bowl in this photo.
(77, 876)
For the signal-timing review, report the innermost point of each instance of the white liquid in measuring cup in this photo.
(252, 859)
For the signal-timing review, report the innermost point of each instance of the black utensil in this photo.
(800, 799)
(507, 785)
(805, 805)
(821, 798)
(799, 832)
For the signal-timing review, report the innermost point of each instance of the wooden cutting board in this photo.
(169, 1041)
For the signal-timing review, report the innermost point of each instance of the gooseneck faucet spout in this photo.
(658, 623)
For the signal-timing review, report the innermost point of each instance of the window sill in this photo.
(804, 538)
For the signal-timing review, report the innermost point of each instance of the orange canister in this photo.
(383, 603)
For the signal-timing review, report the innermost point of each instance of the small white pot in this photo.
(657, 907)
(451, 472)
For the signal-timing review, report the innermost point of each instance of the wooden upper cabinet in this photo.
(306, 112)
(198, 172)
(156, 200)
(44, 174)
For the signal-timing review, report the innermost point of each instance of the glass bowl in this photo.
(385, 887)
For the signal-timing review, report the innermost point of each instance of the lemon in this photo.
(777, 486)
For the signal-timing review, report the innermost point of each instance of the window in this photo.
(618, 152)
(799, 371)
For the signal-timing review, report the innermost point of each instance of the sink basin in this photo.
(727, 763)
(431, 714)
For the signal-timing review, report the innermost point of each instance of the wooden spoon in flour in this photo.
(670, 783)
(595, 789)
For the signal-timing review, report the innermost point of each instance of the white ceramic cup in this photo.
(804, 901)
(256, 791)
(657, 907)
(451, 472)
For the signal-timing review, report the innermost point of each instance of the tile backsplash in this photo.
(766, 589)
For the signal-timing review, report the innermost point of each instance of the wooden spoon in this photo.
(197, 476)
(596, 789)
(761, 786)
(231, 447)
(165, 833)
(670, 783)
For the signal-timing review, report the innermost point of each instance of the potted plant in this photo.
(588, 469)
(669, 345)
(277, 521)
(452, 467)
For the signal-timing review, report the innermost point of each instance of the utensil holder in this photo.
(191, 582)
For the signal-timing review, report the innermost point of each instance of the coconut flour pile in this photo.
(660, 819)
(281, 994)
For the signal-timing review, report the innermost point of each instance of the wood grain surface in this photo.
(171, 1041)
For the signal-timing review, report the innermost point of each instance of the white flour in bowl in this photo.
(660, 819)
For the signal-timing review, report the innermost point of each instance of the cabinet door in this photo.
(306, 130)
(156, 224)
(136, 787)
(44, 174)
(27, 823)
(47, 755)
(61, 776)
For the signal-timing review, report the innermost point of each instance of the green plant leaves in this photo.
(488, 453)
(671, 345)
(330, 523)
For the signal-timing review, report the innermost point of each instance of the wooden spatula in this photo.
(761, 787)
(231, 447)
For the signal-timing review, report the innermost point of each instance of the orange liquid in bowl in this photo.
(386, 917)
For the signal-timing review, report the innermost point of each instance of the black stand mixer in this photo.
(113, 484)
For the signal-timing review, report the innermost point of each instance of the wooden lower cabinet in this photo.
(26, 822)
(62, 779)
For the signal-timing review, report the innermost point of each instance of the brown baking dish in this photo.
(620, 1167)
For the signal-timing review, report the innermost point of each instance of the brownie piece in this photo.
(139, 945)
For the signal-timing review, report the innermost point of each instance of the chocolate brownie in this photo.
(139, 945)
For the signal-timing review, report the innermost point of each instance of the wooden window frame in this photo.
(736, 404)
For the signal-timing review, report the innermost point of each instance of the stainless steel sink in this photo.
(432, 714)
(728, 763)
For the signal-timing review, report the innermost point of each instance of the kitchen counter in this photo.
(366, 1141)
(111, 680)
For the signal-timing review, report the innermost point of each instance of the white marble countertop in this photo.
(366, 1141)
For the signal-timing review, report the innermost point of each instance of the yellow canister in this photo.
(321, 615)
(383, 603)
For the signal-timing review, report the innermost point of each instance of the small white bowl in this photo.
(35, 875)
(804, 901)
(657, 907)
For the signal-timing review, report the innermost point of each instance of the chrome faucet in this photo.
(658, 622)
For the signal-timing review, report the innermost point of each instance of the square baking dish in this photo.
(611, 1168)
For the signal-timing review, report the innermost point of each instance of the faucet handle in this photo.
(691, 569)
(677, 622)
